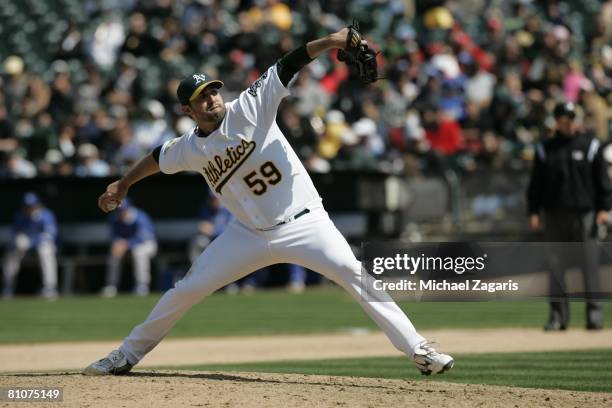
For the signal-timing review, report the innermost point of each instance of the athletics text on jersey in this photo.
(247, 162)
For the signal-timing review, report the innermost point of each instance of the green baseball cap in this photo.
(193, 85)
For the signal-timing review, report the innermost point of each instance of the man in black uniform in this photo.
(570, 185)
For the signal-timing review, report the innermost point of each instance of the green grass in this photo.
(570, 370)
(269, 312)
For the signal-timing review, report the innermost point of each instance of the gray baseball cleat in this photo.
(428, 360)
(115, 363)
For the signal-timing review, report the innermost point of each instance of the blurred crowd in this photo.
(468, 85)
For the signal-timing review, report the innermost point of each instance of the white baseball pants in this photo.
(141, 256)
(311, 241)
(48, 264)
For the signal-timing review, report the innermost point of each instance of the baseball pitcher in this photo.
(279, 217)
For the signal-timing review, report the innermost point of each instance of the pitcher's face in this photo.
(207, 107)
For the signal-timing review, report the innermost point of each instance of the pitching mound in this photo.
(148, 388)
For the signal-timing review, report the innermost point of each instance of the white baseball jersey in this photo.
(247, 162)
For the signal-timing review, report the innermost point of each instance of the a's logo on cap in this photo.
(199, 78)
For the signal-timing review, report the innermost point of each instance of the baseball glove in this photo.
(359, 55)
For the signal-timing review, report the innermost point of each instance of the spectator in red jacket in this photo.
(443, 132)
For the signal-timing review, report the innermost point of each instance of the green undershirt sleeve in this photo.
(291, 63)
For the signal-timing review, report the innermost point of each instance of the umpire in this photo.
(570, 186)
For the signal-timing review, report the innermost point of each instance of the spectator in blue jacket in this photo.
(34, 227)
(131, 230)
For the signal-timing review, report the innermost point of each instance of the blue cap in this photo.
(30, 199)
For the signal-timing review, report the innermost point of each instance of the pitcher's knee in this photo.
(345, 275)
(185, 287)
(352, 269)
(193, 288)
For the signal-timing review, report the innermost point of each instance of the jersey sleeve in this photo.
(50, 225)
(173, 156)
(145, 231)
(259, 102)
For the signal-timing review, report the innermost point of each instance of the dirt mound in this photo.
(152, 389)
(219, 350)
